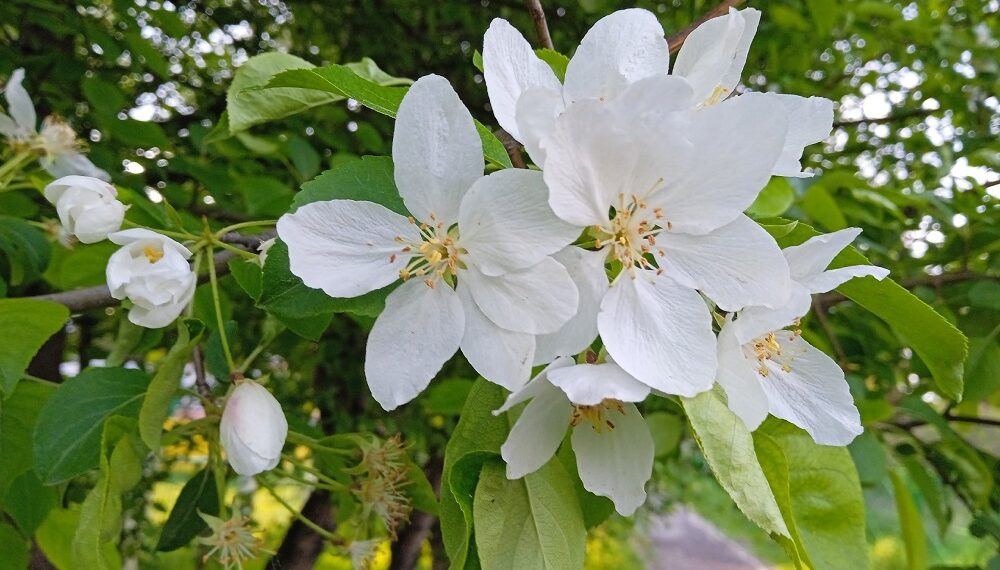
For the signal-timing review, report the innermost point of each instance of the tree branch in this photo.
(541, 27)
(677, 40)
(99, 296)
(512, 147)
(834, 343)
(901, 116)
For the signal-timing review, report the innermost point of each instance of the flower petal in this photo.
(713, 55)
(506, 223)
(69, 163)
(810, 120)
(590, 384)
(659, 332)
(756, 321)
(586, 268)
(734, 146)
(833, 278)
(537, 300)
(740, 381)
(501, 356)
(536, 387)
(616, 463)
(419, 330)
(510, 68)
(621, 48)
(19, 105)
(538, 432)
(536, 113)
(813, 395)
(736, 265)
(436, 150)
(808, 261)
(344, 247)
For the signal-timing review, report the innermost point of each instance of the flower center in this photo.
(152, 253)
(436, 256)
(768, 347)
(56, 137)
(631, 231)
(597, 415)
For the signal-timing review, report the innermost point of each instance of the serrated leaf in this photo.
(369, 178)
(67, 439)
(246, 107)
(199, 494)
(25, 325)
(167, 380)
(28, 502)
(728, 447)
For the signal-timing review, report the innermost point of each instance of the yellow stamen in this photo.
(152, 253)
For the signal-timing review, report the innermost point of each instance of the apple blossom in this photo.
(88, 207)
(474, 257)
(764, 368)
(253, 429)
(662, 191)
(152, 271)
(56, 142)
(611, 441)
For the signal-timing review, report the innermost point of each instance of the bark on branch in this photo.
(677, 40)
(541, 27)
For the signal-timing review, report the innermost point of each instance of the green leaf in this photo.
(931, 489)
(343, 81)
(369, 178)
(246, 107)
(28, 502)
(18, 416)
(910, 523)
(199, 494)
(822, 208)
(532, 522)
(477, 438)
(55, 539)
(248, 275)
(25, 325)
(368, 69)
(869, 458)
(419, 489)
(100, 515)
(666, 430)
(557, 61)
(938, 343)
(728, 447)
(596, 509)
(981, 378)
(265, 196)
(68, 435)
(23, 250)
(818, 492)
(166, 382)
(14, 548)
(774, 199)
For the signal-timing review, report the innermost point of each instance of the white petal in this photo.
(590, 384)
(126, 237)
(19, 105)
(586, 268)
(253, 429)
(536, 113)
(810, 120)
(616, 463)
(736, 265)
(814, 395)
(510, 68)
(506, 223)
(833, 278)
(436, 150)
(740, 381)
(756, 321)
(660, 332)
(713, 55)
(734, 147)
(94, 224)
(537, 433)
(159, 316)
(501, 356)
(537, 300)
(70, 163)
(8, 127)
(419, 330)
(621, 48)
(346, 248)
(536, 387)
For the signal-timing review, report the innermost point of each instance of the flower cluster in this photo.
(612, 264)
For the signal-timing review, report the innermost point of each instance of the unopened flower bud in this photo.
(88, 207)
(253, 429)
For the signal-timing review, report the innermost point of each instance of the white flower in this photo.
(712, 60)
(623, 48)
(662, 191)
(88, 207)
(152, 271)
(253, 429)
(766, 369)
(612, 443)
(57, 143)
(485, 285)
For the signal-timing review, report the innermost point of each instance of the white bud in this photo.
(152, 271)
(88, 208)
(253, 429)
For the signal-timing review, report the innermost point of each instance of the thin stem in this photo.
(820, 313)
(241, 225)
(315, 472)
(302, 439)
(541, 27)
(13, 165)
(234, 249)
(168, 233)
(39, 380)
(295, 513)
(218, 311)
(305, 481)
(254, 354)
